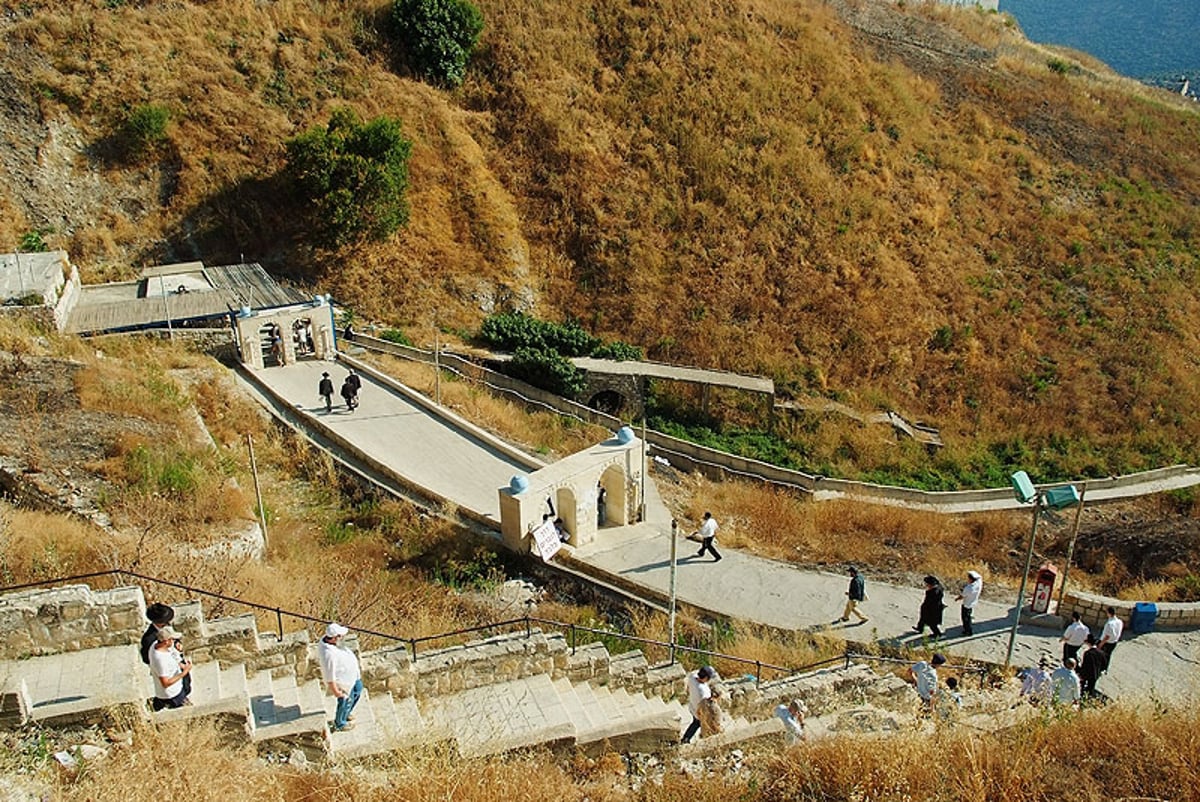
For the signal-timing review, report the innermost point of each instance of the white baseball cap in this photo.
(335, 630)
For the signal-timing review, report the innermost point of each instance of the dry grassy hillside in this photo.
(907, 208)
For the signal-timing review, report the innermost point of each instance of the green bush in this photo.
(620, 351)
(34, 241)
(548, 370)
(355, 175)
(144, 128)
(395, 336)
(439, 36)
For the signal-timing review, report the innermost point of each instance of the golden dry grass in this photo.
(1095, 756)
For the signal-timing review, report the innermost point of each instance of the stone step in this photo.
(739, 730)
(502, 717)
(616, 719)
(79, 687)
(284, 719)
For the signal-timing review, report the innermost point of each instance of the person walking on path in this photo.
(1064, 684)
(1113, 628)
(924, 675)
(355, 382)
(1095, 661)
(707, 533)
(969, 596)
(1035, 684)
(1075, 635)
(341, 674)
(792, 716)
(856, 594)
(325, 390)
(698, 692)
(170, 669)
(347, 393)
(931, 607)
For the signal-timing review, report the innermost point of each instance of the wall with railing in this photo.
(720, 464)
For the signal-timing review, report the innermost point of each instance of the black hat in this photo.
(852, 570)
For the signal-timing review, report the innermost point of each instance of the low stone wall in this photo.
(822, 690)
(68, 619)
(1093, 611)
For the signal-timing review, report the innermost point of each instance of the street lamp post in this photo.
(671, 605)
(1055, 498)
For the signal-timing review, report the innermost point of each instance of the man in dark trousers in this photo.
(356, 383)
(931, 607)
(159, 615)
(1095, 661)
(856, 594)
(348, 394)
(325, 390)
(706, 533)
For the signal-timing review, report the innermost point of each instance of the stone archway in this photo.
(565, 503)
(608, 401)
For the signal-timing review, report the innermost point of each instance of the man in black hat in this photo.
(325, 390)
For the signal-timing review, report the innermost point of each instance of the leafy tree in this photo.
(547, 370)
(439, 35)
(355, 174)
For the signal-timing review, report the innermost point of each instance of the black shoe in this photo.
(716, 559)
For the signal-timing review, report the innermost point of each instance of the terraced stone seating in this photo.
(485, 697)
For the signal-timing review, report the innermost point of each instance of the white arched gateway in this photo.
(597, 488)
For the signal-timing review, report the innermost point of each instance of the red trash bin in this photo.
(1043, 588)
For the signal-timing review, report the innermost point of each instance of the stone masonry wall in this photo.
(1093, 611)
(68, 619)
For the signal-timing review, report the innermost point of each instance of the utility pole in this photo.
(674, 566)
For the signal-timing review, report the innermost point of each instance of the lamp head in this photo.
(1023, 487)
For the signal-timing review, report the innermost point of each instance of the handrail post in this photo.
(572, 639)
(528, 627)
(412, 644)
(279, 622)
(757, 673)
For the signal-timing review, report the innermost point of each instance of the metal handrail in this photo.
(526, 621)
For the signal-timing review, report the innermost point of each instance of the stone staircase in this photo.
(482, 698)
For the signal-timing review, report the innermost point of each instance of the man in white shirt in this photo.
(706, 533)
(1064, 683)
(168, 669)
(1074, 637)
(698, 692)
(969, 595)
(1113, 628)
(341, 675)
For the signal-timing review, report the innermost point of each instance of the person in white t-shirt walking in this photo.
(706, 533)
(1113, 628)
(1074, 637)
(169, 669)
(969, 596)
(698, 692)
(341, 675)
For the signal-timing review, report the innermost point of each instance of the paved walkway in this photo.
(456, 465)
(427, 450)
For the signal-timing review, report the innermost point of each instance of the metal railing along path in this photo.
(525, 623)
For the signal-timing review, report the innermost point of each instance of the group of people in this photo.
(162, 650)
(349, 392)
(932, 605)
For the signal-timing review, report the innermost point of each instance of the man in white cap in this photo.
(340, 672)
(169, 669)
(969, 595)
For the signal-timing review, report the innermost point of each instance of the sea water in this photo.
(1156, 41)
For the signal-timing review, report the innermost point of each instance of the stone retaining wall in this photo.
(1093, 611)
(68, 619)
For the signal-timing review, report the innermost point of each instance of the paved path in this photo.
(429, 451)
(456, 465)
(777, 594)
